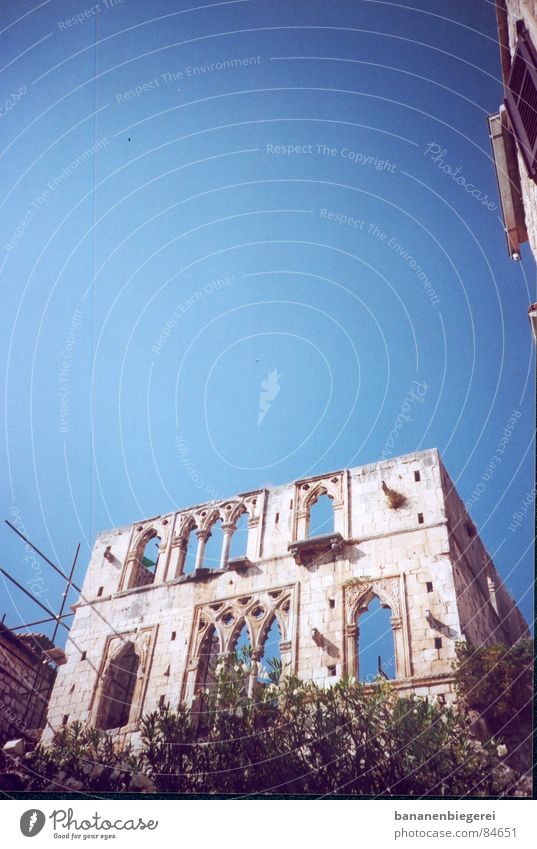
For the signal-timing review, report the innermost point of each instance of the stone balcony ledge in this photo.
(306, 551)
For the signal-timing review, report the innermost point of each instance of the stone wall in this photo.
(315, 588)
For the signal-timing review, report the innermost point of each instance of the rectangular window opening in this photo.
(161, 703)
(276, 518)
(100, 591)
(417, 476)
(438, 642)
(331, 671)
(332, 603)
(83, 656)
(429, 586)
(65, 719)
(174, 633)
(420, 518)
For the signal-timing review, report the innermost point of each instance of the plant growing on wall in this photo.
(395, 499)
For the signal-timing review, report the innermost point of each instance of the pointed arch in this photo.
(375, 641)
(213, 545)
(116, 701)
(321, 515)
(239, 540)
(190, 549)
(270, 639)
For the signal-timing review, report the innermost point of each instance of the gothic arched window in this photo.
(119, 682)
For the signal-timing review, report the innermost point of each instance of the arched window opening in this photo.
(207, 675)
(148, 561)
(120, 680)
(321, 517)
(189, 563)
(375, 647)
(243, 647)
(208, 660)
(239, 540)
(213, 547)
(271, 659)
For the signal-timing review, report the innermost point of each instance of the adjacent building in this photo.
(513, 130)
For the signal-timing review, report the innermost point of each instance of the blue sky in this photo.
(197, 197)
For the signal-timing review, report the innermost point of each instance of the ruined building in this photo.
(148, 634)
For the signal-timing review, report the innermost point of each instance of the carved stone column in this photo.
(228, 530)
(286, 657)
(399, 647)
(351, 650)
(177, 558)
(254, 671)
(203, 536)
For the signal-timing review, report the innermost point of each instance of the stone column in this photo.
(202, 536)
(286, 657)
(352, 632)
(399, 647)
(302, 518)
(227, 530)
(177, 558)
(252, 675)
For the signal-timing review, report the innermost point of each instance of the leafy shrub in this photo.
(291, 737)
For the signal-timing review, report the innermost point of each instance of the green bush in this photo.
(496, 682)
(292, 737)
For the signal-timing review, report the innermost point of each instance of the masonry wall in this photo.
(315, 588)
(487, 612)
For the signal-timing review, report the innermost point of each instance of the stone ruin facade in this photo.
(148, 635)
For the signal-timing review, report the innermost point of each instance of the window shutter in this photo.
(521, 100)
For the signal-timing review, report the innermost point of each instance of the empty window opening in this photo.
(239, 540)
(417, 476)
(100, 592)
(83, 656)
(492, 594)
(420, 518)
(438, 642)
(65, 719)
(173, 636)
(213, 546)
(144, 572)
(331, 670)
(118, 691)
(243, 646)
(332, 603)
(291, 504)
(71, 689)
(271, 659)
(375, 647)
(162, 703)
(191, 553)
(429, 586)
(276, 518)
(208, 661)
(321, 517)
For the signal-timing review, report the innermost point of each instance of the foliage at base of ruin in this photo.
(292, 737)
